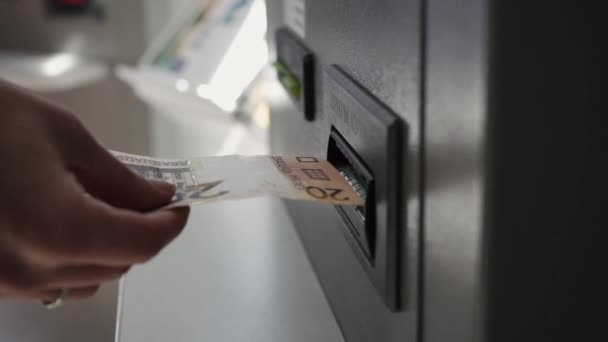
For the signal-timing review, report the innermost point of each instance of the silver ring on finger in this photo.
(58, 301)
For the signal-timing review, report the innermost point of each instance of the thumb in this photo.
(101, 174)
(114, 183)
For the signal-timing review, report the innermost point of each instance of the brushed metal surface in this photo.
(455, 122)
(542, 211)
(508, 138)
(377, 44)
(509, 220)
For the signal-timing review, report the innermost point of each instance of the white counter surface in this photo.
(237, 274)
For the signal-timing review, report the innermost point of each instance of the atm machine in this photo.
(468, 127)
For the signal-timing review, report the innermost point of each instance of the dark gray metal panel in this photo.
(509, 135)
(454, 174)
(509, 211)
(542, 214)
(376, 43)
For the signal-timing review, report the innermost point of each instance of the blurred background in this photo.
(156, 77)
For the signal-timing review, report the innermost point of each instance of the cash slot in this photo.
(359, 219)
(366, 141)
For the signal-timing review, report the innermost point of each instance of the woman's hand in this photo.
(71, 215)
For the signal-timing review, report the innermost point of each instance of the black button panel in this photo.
(295, 70)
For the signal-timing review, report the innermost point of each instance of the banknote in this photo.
(209, 179)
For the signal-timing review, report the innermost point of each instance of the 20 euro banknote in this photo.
(209, 179)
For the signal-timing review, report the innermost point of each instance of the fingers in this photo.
(133, 238)
(103, 235)
(80, 229)
(108, 179)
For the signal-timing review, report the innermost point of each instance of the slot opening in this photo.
(360, 220)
